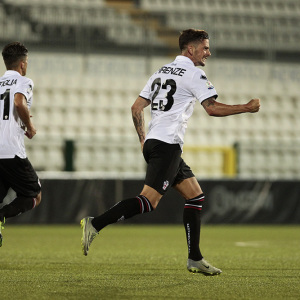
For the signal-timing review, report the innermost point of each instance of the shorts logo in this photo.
(166, 184)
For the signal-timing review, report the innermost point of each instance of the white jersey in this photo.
(11, 133)
(173, 91)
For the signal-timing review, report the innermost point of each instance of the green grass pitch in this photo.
(148, 262)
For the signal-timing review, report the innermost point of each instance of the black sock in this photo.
(124, 209)
(18, 206)
(192, 224)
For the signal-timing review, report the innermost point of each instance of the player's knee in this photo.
(152, 196)
(38, 199)
(147, 204)
(154, 203)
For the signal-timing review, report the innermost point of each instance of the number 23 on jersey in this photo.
(166, 103)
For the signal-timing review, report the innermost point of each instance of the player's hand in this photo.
(253, 105)
(30, 132)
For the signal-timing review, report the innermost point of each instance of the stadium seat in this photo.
(87, 96)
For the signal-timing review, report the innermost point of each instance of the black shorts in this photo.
(17, 173)
(165, 166)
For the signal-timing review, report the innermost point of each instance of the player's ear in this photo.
(23, 67)
(190, 50)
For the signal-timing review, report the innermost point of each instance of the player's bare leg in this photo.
(152, 195)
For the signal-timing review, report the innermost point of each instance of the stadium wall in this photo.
(66, 201)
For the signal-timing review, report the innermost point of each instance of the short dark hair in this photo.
(13, 53)
(191, 35)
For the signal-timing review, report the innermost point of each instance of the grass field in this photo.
(148, 262)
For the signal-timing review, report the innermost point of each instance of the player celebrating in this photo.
(16, 171)
(172, 92)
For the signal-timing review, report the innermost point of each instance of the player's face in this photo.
(201, 53)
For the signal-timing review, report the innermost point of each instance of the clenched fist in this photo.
(253, 105)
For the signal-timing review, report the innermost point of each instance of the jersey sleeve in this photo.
(145, 93)
(201, 87)
(25, 87)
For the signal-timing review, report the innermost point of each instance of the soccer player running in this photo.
(16, 172)
(172, 92)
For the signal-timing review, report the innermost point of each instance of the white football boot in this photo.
(88, 234)
(202, 266)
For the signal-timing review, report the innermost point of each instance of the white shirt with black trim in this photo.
(173, 91)
(11, 132)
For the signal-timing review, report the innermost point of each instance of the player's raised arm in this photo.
(23, 112)
(137, 110)
(217, 109)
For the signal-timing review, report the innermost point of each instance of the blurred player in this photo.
(172, 92)
(16, 171)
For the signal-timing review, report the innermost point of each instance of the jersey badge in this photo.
(209, 85)
(29, 89)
